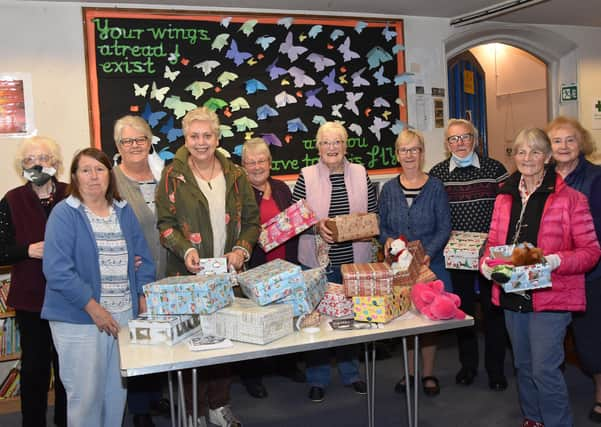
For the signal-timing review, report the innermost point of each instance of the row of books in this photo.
(4, 286)
(9, 337)
(11, 385)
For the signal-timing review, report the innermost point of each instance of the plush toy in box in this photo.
(519, 267)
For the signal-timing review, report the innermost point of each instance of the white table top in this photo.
(140, 359)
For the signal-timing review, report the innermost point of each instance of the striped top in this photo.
(410, 193)
(339, 253)
(115, 295)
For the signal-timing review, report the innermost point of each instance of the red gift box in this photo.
(292, 221)
(371, 279)
(335, 303)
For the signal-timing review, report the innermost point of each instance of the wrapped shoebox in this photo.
(335, 303)
(524, 277)
(464, 249)
(376, 309)
(246, 321)
(189, 294)
(417, 250)
(213, 266)
(305, 298)
(159, 329)
(353, 226)
(402, 296)
(368, 279)
(407, 277)
(271, 281)
(292, 221)
(425, 275)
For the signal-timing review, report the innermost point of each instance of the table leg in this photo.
(417, 381)
(181, 421)
(370, 381)
(194, 397)
(171, 398)
(407, 382)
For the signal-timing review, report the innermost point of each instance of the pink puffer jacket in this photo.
(566, 229)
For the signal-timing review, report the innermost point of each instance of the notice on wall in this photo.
(596, 122)
(16, 105)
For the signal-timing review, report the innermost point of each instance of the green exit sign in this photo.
(569, 93)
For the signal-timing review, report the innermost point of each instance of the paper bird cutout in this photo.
(238, 104)
(286, 22)
(360, 26)
(244, 123)
(351, 101)
(302, 37)
(285, 82)
(220, 41)
(320, 62)
(377, 56)
(397, 127)
(289, 49)
(265, 111)
(388, 33)
(225, 22)
(225, 131)
(318, 120)
(315, 30)
(345, 50)
(207, 66)
(141, 90)
(165, 154)
(386, 114)
(312, 100)
(330, 82)
(171, 75)
(275, 71)
(400, 79)
(215, 104)
(254, 85)
(227, 112)
(238, 150)
(300, 78)
(358, 80)
(342, 79)
(184, 61)
(284, 98)
(226, 78)
(400, 102)
(235, 55)
(356, 129)
(198, 88)
(170, 131)
(172, 58)
(381, 102)
(380, 78)
(377, 126)
(158, 93)
(265, 41)
(179, 107)
(271, 139)
(151, 117)
(336, 110)
(248, 27)
(296, 125)
(336, 33)
(397, 48)
(252, 61)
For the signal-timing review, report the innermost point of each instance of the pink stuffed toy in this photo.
(435, 303)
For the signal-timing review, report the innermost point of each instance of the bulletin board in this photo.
(277, 77)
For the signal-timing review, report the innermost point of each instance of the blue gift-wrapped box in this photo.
(189, 294)
(524, 277)
(305, 299)
(271, 281)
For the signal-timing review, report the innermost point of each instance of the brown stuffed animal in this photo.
(526, 254)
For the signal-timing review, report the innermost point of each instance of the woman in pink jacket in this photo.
(536, 206)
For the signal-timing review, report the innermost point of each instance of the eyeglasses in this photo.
(256, 163)
(30, 161)
(535, 154)
(454, 139)
(331, 144)
(128, 142)
(413, 150)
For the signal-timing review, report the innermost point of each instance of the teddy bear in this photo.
(435, 303)
(523, 254)
(401, 256)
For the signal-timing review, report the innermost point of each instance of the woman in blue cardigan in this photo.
(415, 205)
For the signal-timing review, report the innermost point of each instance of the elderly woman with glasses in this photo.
(415, 205)
(333, 186)
(472, 183)
(570, 143)
(24, 212)
(536, 206)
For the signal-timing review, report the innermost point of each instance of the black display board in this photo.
(273, 76)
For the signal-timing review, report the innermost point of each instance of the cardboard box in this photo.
(367, 279)
(335, 303)
(464, 249)
(353, 226)
(425, 275)
(292, 221)
(306, 298)
(402, 296)
(377, 309)
(417, 250)
(159, 329)
(248, 322)
(271, 281)
(189, 294)
(213, 266)
(526, 277)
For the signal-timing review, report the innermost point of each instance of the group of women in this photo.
(81, 254)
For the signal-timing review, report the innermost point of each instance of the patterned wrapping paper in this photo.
(312, 319)
(248, 322)
(189, 294)
(464, 249)
(377, 309)
(213, 266)
(304, 299)
(290, 222)
(402, 296)
(353, 226)
(159, 329)
(335, 302)
(425, 275)
(271, 281)
(367, 279)
(525, 277)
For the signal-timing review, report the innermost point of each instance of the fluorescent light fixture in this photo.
(492, 11)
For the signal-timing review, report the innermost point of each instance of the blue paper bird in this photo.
(171, 132)
(296, 125)
(265, 111)
(253, 85)
(151, 117)
(377, 56)
(315, 30)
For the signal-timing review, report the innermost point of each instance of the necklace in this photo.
(208, 181)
